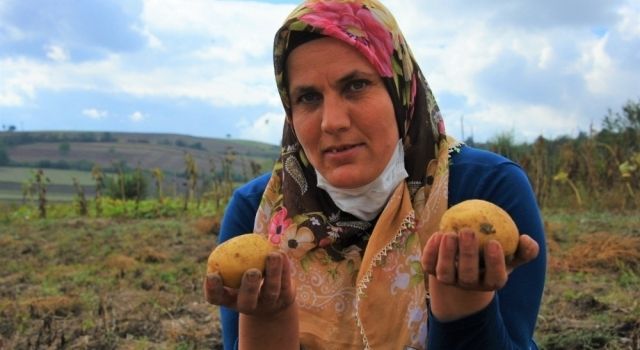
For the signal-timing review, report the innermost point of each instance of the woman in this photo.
(354, 202)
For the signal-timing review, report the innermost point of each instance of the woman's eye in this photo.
(357, 85)
(308, 98)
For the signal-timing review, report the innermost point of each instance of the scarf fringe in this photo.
(407, 222)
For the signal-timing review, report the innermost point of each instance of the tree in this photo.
(64, 148)
(4, 156)
(128, 186)
(107, 137)
(628, 119)
(503, 143)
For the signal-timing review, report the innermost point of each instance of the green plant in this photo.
(40, 182)
(191, 172)
(127, 186)
(98, 177)
(80, 199)
(563, 177)
(158, 177)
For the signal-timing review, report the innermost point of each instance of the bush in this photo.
(4, 156)
(132, 183)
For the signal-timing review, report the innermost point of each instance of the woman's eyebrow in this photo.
(303, 89)
(353, 75)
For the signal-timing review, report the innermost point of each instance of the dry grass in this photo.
(121, 262)
(59, 305)
(593, 282)
(595, 252)
(206, 225)
(101, 284)
(604, 251)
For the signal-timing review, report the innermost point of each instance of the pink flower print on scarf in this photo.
(277, 226)
(354, 24)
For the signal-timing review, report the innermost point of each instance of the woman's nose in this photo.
(335, 116)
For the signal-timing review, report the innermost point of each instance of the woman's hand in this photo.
(256, 296)
(458, 284)
(455, 260)
(268, 315)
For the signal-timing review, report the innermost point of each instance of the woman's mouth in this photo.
(340, 148)
(342, 154)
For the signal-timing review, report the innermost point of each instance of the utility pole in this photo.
(462, 127)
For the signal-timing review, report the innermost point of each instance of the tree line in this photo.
(595, 170)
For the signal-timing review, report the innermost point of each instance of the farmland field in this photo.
(14, 196)
(60, 185)
(56, 176)
(135, 284)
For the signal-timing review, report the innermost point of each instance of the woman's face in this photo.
(341, 112)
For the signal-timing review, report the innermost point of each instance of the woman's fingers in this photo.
(249, 291)
(455, 260)
(468, 257)
(255, 295)
(446, 266)
(528, 249)
(495, 272)
(273, 280)
(430, 254)
(215, 293)
(211, 289)
(287, 289)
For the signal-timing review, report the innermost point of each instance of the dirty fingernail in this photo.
(253, 275)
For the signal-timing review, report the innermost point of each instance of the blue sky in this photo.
(203, 67)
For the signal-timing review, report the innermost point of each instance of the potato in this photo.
(238, 254)
(487, 220)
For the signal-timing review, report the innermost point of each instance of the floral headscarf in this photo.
(293, 198)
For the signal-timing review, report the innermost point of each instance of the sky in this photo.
(204, 67)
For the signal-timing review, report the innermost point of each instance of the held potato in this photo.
(235, 256)
(487, 220)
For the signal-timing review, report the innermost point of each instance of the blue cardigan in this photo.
(508, 322)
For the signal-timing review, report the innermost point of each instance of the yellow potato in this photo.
(487, 220)
(238, 254)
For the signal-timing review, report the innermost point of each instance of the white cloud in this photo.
(20, 80)
(95, 113)
(266, 128)
(10, 99)
(152, 41)
(56, 53)
(629, 24)
(568, 76)
(597, 64)
(526, 122)
(240, 28)
(137, 117)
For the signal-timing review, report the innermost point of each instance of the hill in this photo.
(164, 151)
(68, 155)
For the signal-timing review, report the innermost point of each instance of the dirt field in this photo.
(98, 284)
(135, 284)
(593, 282)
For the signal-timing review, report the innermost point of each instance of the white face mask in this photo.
(366, 202)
